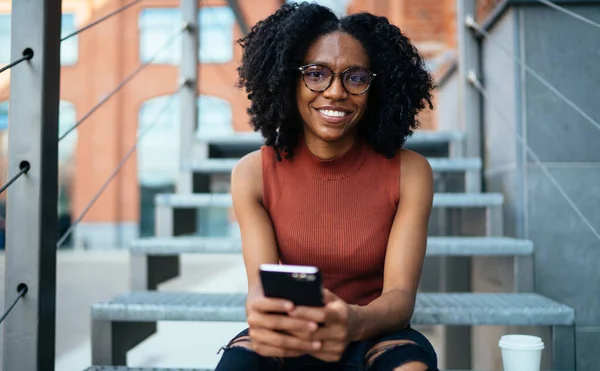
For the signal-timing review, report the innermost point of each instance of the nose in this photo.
(336, 90)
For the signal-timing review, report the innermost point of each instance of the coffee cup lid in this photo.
(524, 342)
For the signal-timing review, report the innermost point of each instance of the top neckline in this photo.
(335, 168)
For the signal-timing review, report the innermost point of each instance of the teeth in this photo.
(332, 113)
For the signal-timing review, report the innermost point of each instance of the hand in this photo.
(338, 319)
(274, 333)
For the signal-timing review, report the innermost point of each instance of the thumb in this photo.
(329, 296)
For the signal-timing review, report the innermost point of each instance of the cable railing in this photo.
(478, 85)
(570, 13)
(120, 165)
(101, 19)
(21, 291)
(125, 81)
(473, 25)
(27, 55)
(25, 166)
(23, 169)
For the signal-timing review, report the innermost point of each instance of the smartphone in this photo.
(302, 285)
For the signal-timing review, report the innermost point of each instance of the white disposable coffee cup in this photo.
(521, 352)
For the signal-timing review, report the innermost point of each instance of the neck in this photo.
(325, 150)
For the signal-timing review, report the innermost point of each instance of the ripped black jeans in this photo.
(236, 358)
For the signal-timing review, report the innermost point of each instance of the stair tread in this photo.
(431, 308)
(125, 368)
(224, 199)
(436, 246)
(225, 165)
(418, 137)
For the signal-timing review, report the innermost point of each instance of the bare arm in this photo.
(271, 333)
(405, 253)
(258, 237)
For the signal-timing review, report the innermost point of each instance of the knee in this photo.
(393, 355)
(241, 342)
(380, 348)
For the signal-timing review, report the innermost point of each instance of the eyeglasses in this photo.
(318, 78)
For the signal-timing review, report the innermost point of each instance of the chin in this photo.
(332, 135)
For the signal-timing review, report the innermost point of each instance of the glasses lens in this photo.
(356, 80)
(317, 77)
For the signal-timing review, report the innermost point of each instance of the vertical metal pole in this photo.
(456, 272)
(29, 333)
(469, 99)
(188, 95)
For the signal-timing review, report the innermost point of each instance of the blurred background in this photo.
(529, 115)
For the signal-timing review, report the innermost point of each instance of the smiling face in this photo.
(333, 114)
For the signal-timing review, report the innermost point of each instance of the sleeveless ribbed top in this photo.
(335, 214)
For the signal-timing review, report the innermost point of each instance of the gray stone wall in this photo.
(566, 52)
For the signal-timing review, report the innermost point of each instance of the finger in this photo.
(303, 335)
(279, 340)
(329, 296)
(314, 314)
(337, 333)
(332, 346)
(280, 322)
(266, 305)
(326, 356)
(266, 350)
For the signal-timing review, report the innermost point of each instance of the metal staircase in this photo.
(120, 323)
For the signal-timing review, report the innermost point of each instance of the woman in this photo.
(335, 100)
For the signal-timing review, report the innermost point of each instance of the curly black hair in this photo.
(276, 47)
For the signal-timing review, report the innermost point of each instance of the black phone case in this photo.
(297, 290)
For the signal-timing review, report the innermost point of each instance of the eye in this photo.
(358, 77)
(315, 75)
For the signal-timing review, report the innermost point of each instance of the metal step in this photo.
(436, 246)
(125, 368)
(518, 309)
(447, 200)
(225, 165)
(428, 143)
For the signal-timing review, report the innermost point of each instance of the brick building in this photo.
(97, 60)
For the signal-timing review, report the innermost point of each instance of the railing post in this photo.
(456, 272)
(29, 332)
(188, 95)
(469, 99)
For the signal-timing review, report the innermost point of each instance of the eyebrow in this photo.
(329, 66)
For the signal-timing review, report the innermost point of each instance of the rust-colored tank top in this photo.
(336, 215)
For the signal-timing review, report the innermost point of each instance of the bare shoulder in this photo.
(246, 175)
(415, 170)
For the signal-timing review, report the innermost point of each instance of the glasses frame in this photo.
(302, 70)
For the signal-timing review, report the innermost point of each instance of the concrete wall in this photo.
(566, 52)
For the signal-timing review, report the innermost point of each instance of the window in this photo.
(4, 38)
(66, 120)
(157, 26)
(339, 7)
(159, 160)
(69, 49)
(214, 117)
(216, 34)
(3, 116)
(158, 152)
